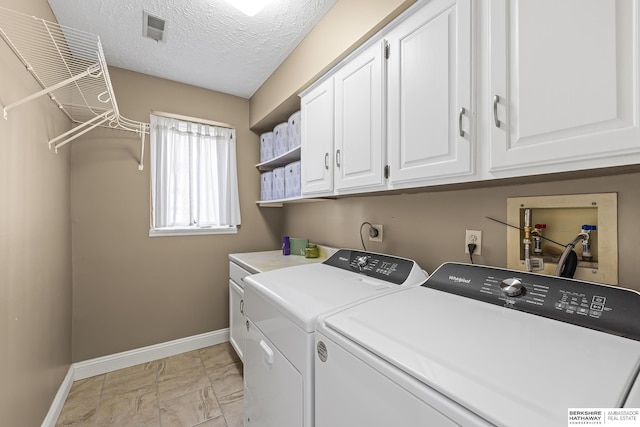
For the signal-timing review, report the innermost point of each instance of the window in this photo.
(194, 184)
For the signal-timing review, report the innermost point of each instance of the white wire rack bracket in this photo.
(70, 67)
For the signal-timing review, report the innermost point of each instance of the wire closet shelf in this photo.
(70, 66)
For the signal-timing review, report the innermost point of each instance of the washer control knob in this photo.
(511, 287)
(361, 261)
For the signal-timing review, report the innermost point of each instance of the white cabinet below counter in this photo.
(236, 307)
(242, 265)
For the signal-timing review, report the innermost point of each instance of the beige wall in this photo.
(35, 244)
(130, 290)
(430, 227)
(344, 27)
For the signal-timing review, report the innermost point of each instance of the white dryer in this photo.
(479, 346)
(282, 307)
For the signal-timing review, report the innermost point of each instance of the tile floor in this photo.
(199, 388)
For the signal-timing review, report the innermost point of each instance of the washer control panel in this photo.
(383, 267)
(591, 305)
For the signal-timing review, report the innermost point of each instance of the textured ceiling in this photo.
(209, 43)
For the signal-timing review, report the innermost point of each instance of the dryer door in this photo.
(273, 387)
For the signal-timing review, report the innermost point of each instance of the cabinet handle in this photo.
(496, 99)
(267, 354)
(460, 114)
(242, 307)
(326, 158)
(338, 158)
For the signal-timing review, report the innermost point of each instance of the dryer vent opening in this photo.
(154, 27)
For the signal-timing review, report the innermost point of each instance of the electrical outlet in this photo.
(378, 238)
(473, 236)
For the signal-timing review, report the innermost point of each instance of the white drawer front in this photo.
(237, 273)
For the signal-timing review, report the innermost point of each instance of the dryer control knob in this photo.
(511, 287)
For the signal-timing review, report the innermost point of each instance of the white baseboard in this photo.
(58, 401)
(102, 365)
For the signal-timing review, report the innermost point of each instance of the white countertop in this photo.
(259, 262)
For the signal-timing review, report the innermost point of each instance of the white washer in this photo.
(282, 307)
(479, 346)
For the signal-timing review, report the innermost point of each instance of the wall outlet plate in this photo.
(378, 238)
(473, 236)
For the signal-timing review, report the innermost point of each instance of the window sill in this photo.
(166, 232)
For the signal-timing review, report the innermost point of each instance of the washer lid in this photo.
(509, 367)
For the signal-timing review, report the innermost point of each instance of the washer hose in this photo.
(569, 258)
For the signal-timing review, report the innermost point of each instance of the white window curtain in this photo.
(194, 181)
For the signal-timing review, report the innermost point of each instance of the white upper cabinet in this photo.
(429, 94)
(342, 128)
(359, 88)
(564, 87)
(317, 140)
(557, 84)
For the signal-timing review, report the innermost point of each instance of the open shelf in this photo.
(282, 160)
(281, 202)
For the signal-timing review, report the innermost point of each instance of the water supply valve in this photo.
(537, 241)
(586, 242)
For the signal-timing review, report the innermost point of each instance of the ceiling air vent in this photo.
(154, 27)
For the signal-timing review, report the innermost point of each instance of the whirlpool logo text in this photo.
(459, 279)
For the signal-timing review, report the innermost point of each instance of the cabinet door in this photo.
(317, 140)
(236, 318)
(564, 85)
(429, 83)
(359, 110)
